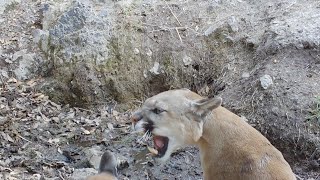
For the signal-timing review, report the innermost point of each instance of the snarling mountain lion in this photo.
(230, 148)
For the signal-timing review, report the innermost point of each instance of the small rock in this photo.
(266, 81)
(187, 60)
(86, 132)
(155, 69)
(136, 51)
(19, 54)
(3, 120)
(245, 75)
(55, 119)
(27, 64)
(4, 73)
(110, 126)
(94, 155)
(145, 73)
(115, 113)
(149, 53)
(233, 23)
(37, 176)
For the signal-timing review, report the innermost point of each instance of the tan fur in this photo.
(230, 148)
(102, 176)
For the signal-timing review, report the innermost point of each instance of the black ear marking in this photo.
(108, 163)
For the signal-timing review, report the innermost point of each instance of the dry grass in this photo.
(315, 111)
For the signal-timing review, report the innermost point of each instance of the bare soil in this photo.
(40, 139)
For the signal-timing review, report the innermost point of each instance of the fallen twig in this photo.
(179, 35)
(173, 14)
(60, 175)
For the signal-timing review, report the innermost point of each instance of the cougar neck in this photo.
(218, 130)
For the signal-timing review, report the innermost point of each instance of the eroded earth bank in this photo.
(72, 72)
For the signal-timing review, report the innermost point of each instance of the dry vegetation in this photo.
(217, 48)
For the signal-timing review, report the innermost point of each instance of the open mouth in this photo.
(160, 142)
(160, 145)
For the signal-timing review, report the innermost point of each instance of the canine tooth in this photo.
(152, 150)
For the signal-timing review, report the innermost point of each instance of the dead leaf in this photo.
(110, 126)
(44, 117)
(70, 115)
(54, 141)
(8, 61)
(3, 120)
(115, 113)
(12, 80)
(37, 95)
(32, 83)
(56, 105)
(7, 137)
(55, 119)
(86, 132)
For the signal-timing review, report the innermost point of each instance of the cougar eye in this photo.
(157, 110)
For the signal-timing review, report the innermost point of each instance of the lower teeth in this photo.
(152, 150)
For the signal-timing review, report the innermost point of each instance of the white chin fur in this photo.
(171, 148)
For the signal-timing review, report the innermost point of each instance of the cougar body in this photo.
(230, 149)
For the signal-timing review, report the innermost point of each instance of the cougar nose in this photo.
(135, 117)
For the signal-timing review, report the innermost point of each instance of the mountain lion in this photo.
(230, 148)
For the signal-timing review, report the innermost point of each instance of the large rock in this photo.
(76, 44)
(104, 49)
(7, 4)
(27, 64)
(96, 51)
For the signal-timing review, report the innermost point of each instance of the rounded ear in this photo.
(108, 163)
(204, 106)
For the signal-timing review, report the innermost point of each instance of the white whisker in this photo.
(145, 137)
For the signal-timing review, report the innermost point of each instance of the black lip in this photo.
(148, 126)
(162, 151)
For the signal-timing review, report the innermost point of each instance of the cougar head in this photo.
(175, 118)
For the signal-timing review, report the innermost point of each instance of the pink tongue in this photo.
(158, 141)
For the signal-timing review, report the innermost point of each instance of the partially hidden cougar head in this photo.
(175, 118)
(107, 168)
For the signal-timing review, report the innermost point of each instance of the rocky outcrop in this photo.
(105, 49)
